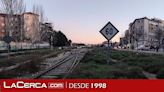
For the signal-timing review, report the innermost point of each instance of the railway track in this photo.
(62, 68)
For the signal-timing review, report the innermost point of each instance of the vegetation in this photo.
(122, 65)
(27, 68)
(23, 57)
(57, 39)
(60, 39)
(13, 9)
(30, 63)
(107, 71)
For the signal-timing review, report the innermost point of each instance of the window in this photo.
(3, 30)
(142, 21)
(16, 27)
(141, 27)
(133, 27)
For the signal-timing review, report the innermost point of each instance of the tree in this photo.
(47, 33)
(54, 38)
(61, 39)
(70, 42)
(13, 9)
(38, 9)
(127, 37)
(127, 34)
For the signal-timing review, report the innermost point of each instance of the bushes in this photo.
(27, 68)
(153, 67)
(160, 74)
(115, 71)
(130, 65)
(148, 62)
(95, 57)
(135, 72)
(30, 67)
(119, 56)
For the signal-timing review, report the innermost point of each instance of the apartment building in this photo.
(2, 25)
(31, 27)
(143, 32)
(24, 27)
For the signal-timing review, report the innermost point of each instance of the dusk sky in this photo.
(81, 20)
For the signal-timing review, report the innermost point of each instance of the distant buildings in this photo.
(145, 32)
(24, 28)
(2, 25)
(46, 31)
(106, 44)
(123, 42)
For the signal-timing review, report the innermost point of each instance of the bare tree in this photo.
(127, 37)
(38, 9)
(13, 9)
(41, 13)
(21, 8)
(41, 21)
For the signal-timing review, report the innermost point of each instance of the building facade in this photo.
(24, 27)
(144, 32)
(2, 25)
(31, 27)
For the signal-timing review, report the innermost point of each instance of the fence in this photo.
(18, 46)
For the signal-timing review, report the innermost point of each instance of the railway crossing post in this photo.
(109, 31)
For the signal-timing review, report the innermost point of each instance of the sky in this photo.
(81, 20)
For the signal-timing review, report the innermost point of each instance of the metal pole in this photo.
(108, 45)
(51, 46)
(21, 28)
(108, 52)
(8, 51)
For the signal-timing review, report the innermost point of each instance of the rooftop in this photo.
(30, 13)
(152, 19)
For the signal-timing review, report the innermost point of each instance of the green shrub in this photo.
(129, 65)
(160, 74)
(135, 73)
(115, 71)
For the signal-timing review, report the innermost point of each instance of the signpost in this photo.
(109, 31)
(8, 39)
